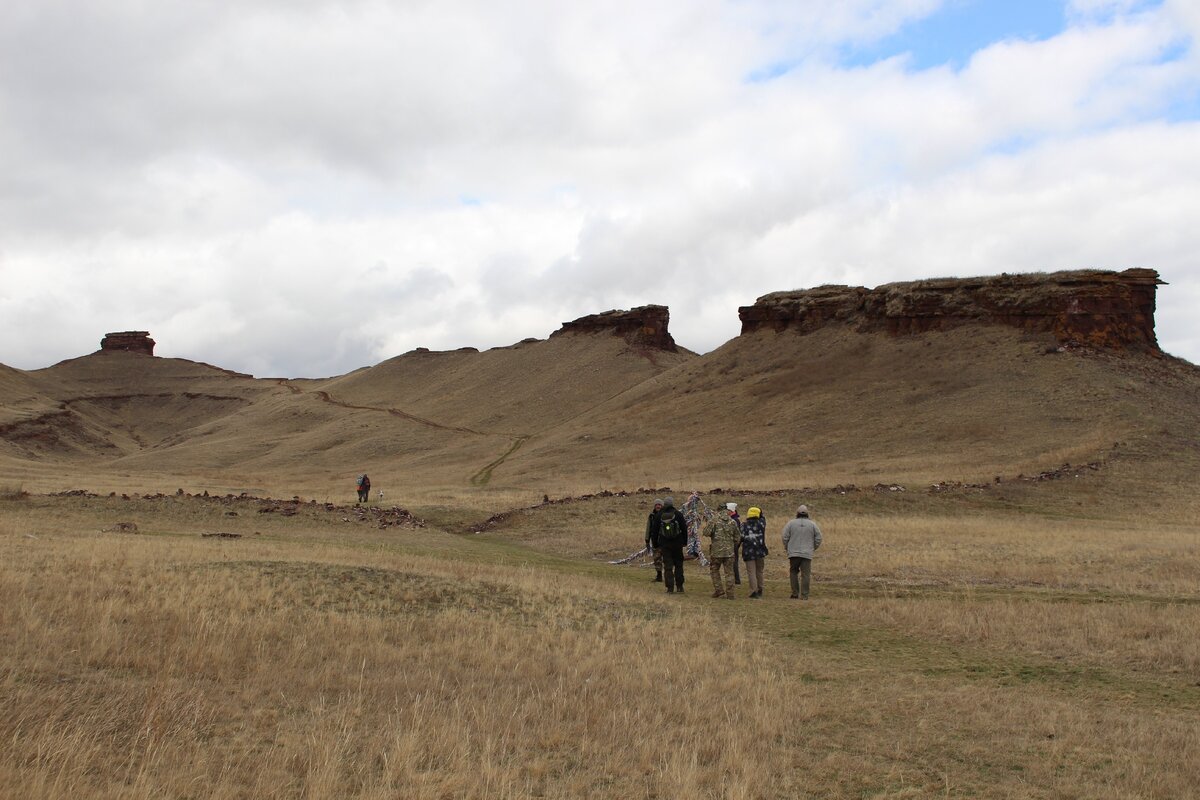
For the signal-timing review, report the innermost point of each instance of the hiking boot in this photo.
(795, 597)
(657, 577)
(718, 594)
(670, 590)
(680, 589)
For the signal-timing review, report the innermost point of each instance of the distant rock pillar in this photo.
(645, 326)
(129, 342)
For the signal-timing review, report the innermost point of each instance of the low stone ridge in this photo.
(645, 326)
(129, 342)
(1096, 308)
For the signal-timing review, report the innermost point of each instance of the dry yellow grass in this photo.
(1024, 641)
(321, 659)
(1116, 594)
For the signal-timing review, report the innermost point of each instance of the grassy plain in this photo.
(955, 646)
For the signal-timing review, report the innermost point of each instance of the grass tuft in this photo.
(13, 492)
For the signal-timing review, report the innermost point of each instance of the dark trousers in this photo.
(672, 567)
(364, 494)
(737, 552)
(803, 566)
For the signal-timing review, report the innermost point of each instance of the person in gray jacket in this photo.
(801, 537)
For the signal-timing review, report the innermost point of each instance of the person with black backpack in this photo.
(672, 538)
(652, 540)
(364, 488)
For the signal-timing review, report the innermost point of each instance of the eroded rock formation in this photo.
(1098, 308)
(128, 341)
(645, 326)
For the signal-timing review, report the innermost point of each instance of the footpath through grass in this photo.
(347, 660)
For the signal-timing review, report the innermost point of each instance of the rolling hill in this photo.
(962, 380)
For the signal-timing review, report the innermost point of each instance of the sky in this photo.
(298, 188)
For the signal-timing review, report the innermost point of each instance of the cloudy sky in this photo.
(303, 187)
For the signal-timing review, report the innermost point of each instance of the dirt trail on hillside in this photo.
(395, 412)
(480, 478)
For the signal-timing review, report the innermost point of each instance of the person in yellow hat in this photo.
(754, 549)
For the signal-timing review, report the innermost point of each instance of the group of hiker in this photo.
(667, 537)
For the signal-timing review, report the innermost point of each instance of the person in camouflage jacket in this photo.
(724, 533)
(652, 540)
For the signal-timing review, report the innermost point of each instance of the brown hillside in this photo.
(919, 382)
(922, 382)
(441, 418)
(785, 409)
(514, 390)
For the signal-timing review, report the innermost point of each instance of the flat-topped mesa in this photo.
(1099, 308)
(128, 341)
(645, 326)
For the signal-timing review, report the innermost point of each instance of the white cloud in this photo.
(304, 188)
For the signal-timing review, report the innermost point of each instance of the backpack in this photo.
(362, 480)
(668, 526)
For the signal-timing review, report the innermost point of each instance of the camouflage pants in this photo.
(657, 551)
(715, 566)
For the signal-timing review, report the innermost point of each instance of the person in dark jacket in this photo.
(652, 540)
(672, 538)
(364, 488)
(754, 549)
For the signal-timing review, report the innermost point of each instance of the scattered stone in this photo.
(121, 527)
(222, 535)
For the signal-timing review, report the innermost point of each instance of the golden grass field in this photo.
(954, 646)
(1011, 638)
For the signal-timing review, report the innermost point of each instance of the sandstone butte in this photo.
(1096, 308)
(128, 341)
(645, 326)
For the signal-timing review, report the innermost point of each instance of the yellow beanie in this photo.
(753, 511)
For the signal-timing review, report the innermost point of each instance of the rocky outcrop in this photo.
(1097, 308)
(645, 326)
(128, 341)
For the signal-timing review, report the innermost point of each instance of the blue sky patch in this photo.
(960, 28)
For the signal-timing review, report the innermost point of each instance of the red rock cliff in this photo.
(1099, 308)
(129, 341)
(645, 326)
